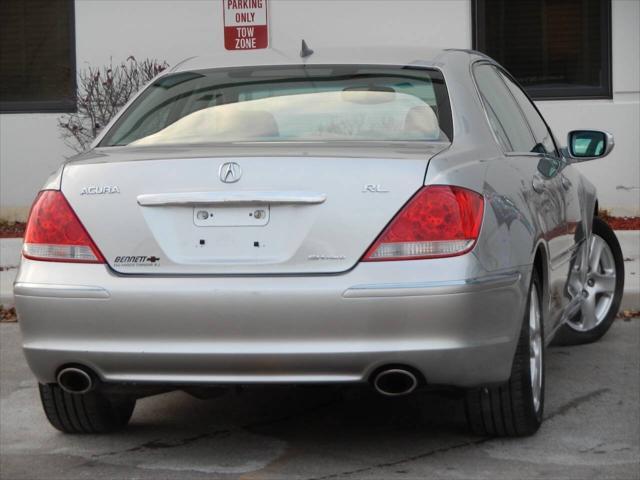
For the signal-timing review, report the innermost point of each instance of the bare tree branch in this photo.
(102, 92)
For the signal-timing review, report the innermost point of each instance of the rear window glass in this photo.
(290, 103)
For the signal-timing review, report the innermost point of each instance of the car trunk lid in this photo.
(242, 209)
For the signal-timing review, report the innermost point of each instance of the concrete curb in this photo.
(629, 241)
(630, 244)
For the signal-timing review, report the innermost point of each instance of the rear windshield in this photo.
(288, 103)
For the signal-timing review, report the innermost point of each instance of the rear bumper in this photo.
(454, 327)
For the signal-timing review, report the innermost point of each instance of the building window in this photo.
(37, 56)
(556, 49)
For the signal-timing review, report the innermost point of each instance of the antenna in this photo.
(305, 51)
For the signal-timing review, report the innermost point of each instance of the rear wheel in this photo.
(90, 412)
(598, 277)
(515, 408)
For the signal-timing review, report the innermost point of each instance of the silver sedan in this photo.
(401, 217)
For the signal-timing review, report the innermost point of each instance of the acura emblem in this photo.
(230, 172)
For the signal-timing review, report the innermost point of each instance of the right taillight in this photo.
(54, 232)
(439, 221)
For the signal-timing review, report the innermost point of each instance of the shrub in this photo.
(102, 92)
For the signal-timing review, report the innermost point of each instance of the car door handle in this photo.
(538, 184)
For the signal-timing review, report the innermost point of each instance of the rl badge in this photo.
(245, 24)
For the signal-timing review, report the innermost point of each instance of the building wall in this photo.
(30, 147)
(618, 175)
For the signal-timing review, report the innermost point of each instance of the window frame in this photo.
(604, 92)
(535, 107)
(486, 107)
(63, 105)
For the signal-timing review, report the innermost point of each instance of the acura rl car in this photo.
(398, 217)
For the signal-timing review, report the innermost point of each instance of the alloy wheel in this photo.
(535, 347)
(595, 281)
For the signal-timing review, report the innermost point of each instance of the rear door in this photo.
(541, 186)
(567, 184)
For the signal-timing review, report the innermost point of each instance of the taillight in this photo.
(439, 221)
(54, 232)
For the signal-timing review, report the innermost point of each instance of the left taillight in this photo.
(54, 232)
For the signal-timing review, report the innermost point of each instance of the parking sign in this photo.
(245, 24)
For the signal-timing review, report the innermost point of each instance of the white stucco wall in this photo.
(30, 147)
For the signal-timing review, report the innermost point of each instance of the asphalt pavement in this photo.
(592, 429)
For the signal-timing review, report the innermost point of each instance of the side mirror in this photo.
(589, 144)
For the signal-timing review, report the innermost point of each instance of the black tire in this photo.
(570, 336)
(90, 412)
(508, 410)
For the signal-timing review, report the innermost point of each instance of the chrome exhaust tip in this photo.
(75, 380)
(395, 382)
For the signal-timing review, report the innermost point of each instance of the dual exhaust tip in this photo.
(391, 382)
(75, 380)
(394, 382)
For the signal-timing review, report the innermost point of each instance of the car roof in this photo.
(419, 56)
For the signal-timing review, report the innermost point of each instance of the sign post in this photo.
(245, 24)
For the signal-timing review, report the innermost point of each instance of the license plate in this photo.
(241, 216)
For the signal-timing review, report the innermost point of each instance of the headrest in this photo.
(422, 121)
(244, 124)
